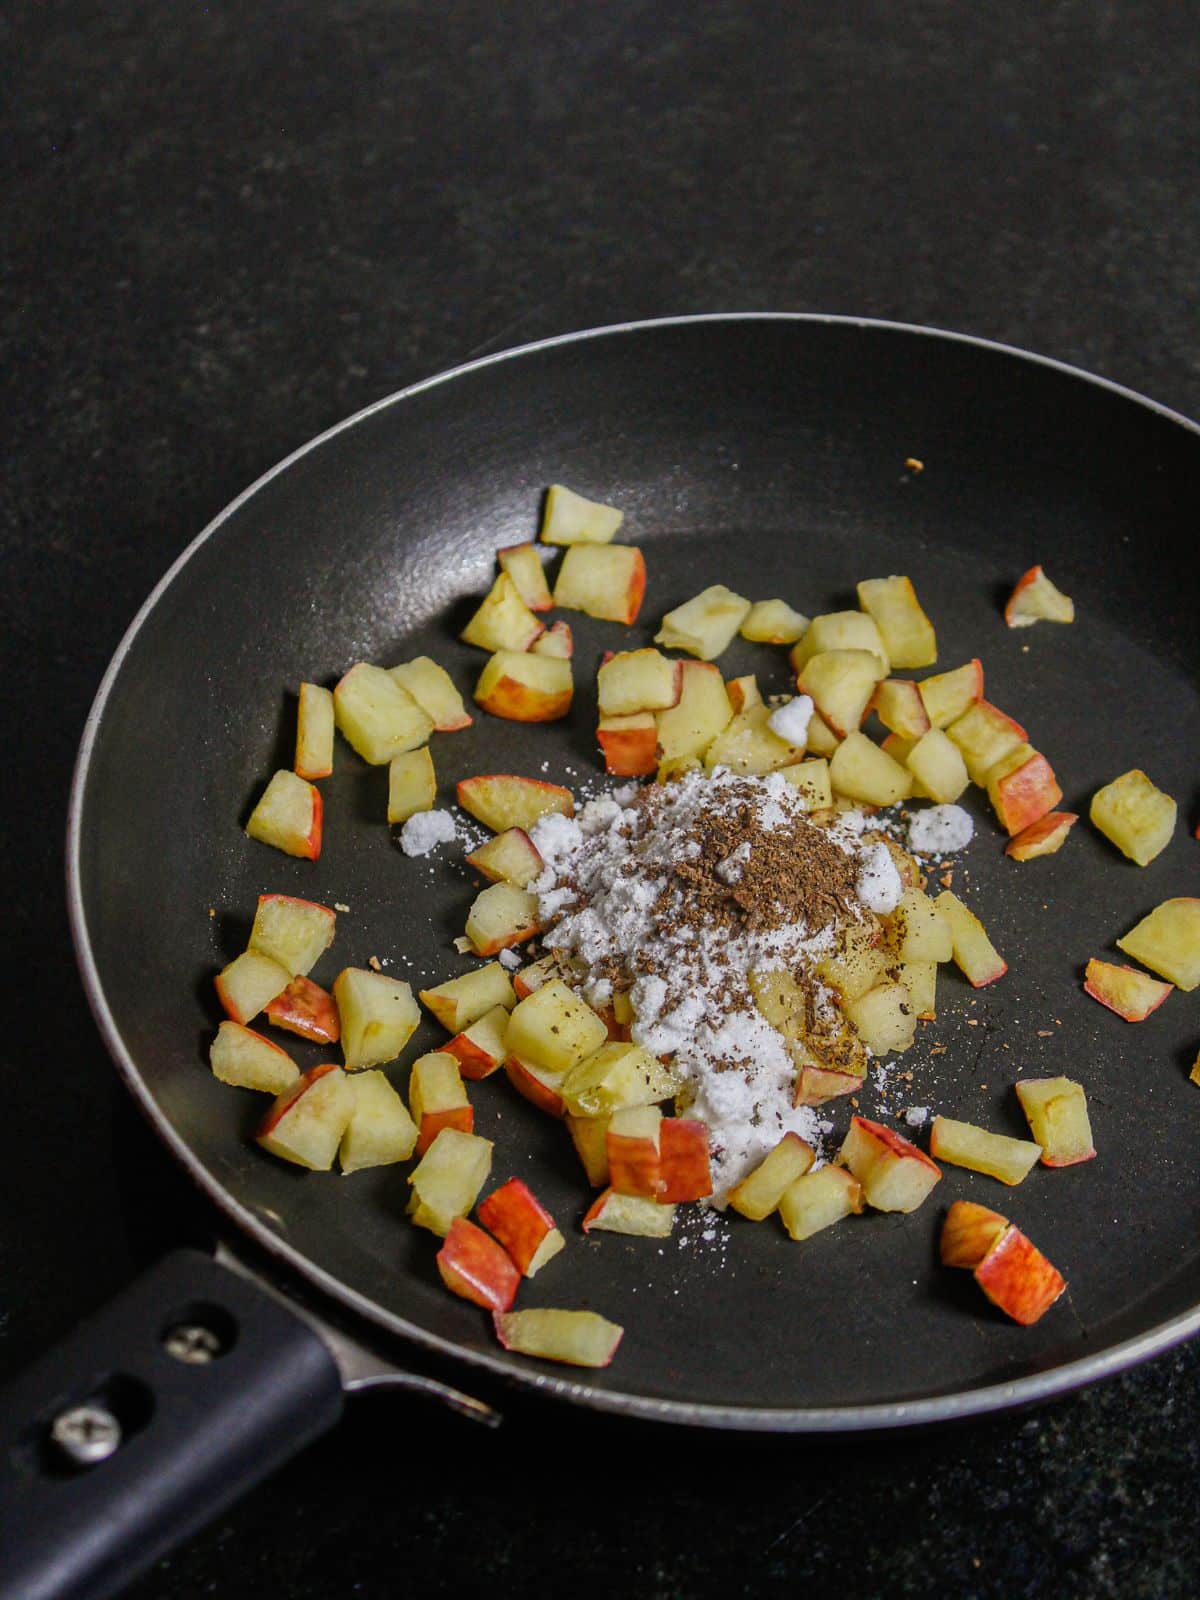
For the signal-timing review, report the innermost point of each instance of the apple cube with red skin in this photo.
(540, 1085)
(706, 625)
(293, 932)
(898, 704)
(838, 631)
(1058, 1119)
(968, 1233)
(1168, 941)
(306, 1123)
(975, 955)
(634, 1157)
(569, 518)
(248, 983)
(314, 732)
(380, 1132)
(613, 1212)
(589, 1135)
(603, 581)
(554, 1028)
(502, 915)
(842, 685)
(521, 1223)
(432, 687)
(511, 857)
(947, 695)
(819, 1199)
(685, 1171)
(447, 1179)
(630, 744)
(1035, 599)
(703, 711)
(305, 1009)
(907, 633)
(861, 771)
(378, 1016)
(760, 1191)
(437, 1099)
(1022, 788)
(474, 1266)
(501, 800)
(459, 1002)
(743, 692)
(638, 680)
(616, 1075)
(962, 1144)
(577, 1338)
(773, 622)
(558, 640)
(1017, 1278)
(524, 567)
(1125, 990)
(248, 1061)
(479, 1048)
(536, 974)
(894, 1174)
(985, 735)
(289, 816)
(377, 715)
(525, 688)
(412, 785)
(1044, 837)
(503, 621)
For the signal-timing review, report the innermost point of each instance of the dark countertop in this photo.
(228, 227)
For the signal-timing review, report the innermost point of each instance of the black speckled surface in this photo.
(225, 228)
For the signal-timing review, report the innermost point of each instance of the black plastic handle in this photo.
(211, 1384)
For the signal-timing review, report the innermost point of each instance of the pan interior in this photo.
(768, 455)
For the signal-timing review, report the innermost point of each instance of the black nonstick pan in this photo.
(780, 455)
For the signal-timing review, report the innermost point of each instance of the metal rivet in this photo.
(193, 1344)
(86, 1434)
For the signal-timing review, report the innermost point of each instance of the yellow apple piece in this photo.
(503, 620)
(968, 1233)
(1194, 1074)
(894, 1174)
(314, 732)
(603, 581)
(963, 1144)
(818, 1200)
(748, 745)
(378, 1016)
(898, 704)
(293, 932)
(579, 1338)
(918, 931)
(613, 1212)
(1168, 942)
(1044, 837)
(907, 633)
(447, 1179)
(936, 763)
(412, 784)
(510, 857)
(985, 734)
(837, 631)
(501, 800)
(525, 688)
(1056, 1110)
(289, 816)
(703, 711)
(589, 1135)
(638, 680)
(617, 1075)
(554, 1028)
(855, 964)
(947, 695)
(432, 687)
(1035, 599)
(524, 567)
(773, 622)
(822, 741)
(557, 641)
(248, 1061)
(377, 716)
(1022, 788)
(920, 979)
(841, 684)
(250, 982)
(760, 1191)
(884, 1017)
(306, 1123)
(629, 743)
(380, 1131)
(975, 955)
(537, 973)
(1135, 815)
(537, 1084)
(437, 1098)
(811, 781)
(571, 519)
(860, 770)
(479, 1049)
(743, 692)
(502, 915)
(706, 625)
(1125, 990)
(459, 1002)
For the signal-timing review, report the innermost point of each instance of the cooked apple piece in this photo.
(822, 741)
(841, 684)
(291, 931)
(920, 979)
(759, 1193)
(500, 916)
(900, 749)
(433, 689)
(703, 711)
(524, 567)
(511, 857)
(314, 732)
(525, 688)
(503, 620)
(1194, 1074)
(676, 767)
(603, 581)
(633, 1151)
(894, 1174)
(839, 631)
(936, 762)
(579, 1338)
(855, 964)
(377, 716)
(638, 680)
(947, 695)
(748, 745)
(479, 1049)
(898, 704)
(816, 1084)
(475, 1267)
(412, 785)
(907, 865)
(501, 800)
(616, 1075)
(249, 981)
(1041, 838)
(818, 1200)
(612, 1212)
(968, 1233)
(447, 1179)
(975, 955)
(706, 625)
(907, 633)
(1056, 1109)
(437, 1098)
(536, 974)
(554, 1028)
(306, 1123)
(773, 622)
(378, 1015)
(963, 1144)
(570, 519)
(811, 781)
(1018, 1279)
(589, 1135)
(1168, 942)
(1125, 990)
(289, 815)
(860, 770)
(521, 1223)
(1036, 598)
(307, 1010)
(918, 931)
(684, 1167)
(248, 1061)
(380, 1131)
(459, 1002)
(1022, 788)
(630, 744)
(743, 692)
(985, 734)
(1135, 815)
(557, 641)
(884, 1017)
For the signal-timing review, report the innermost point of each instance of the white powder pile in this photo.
(425, 830)
(940, 830)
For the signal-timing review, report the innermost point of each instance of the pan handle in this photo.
(148, 1420)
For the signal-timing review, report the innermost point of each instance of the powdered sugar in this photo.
(790, 720)
(879, 886)
(425, 830)
(939, 830)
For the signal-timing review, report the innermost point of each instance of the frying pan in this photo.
(772, 453)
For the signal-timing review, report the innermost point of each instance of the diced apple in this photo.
(525, 688)
(377, 715)
(773, 622)
(684, 1167)
(589, 1135)
(579, 1338)
(975, 955)
(638, 680)
(818, 1200)
(811, 781)
(860, 770)
(634, 1214)
(1036, 598)
(705, 625)
(822, 741)
(884, 1017)
(1018, 1279)
(968, 1233)
(816, 1084)
(963, 1144)
(1022, 788)
(501, 800)
(907, 633)
(248, 1061)
(633, 1151)
(920, 979)
(479, 1049)
(503, 620)
(554, 1028)
(511, 857)
(536, 974)
(432, 687)
(894, 1174)
(985, 734)
(541, 1086)
(380, 1132)
(459, 1002)
(1168, 942)
(447, 1179)
(677, 767)
(603, 581)
(289, 815)
(936, 762)
(947, 695)
(524, 567)
(630, 744)
(1056, 1109)
(570, 519)
(521, 1223)
(502, 915)
(918, 931)
(306, 1123)
(1135, 815)
(291, 931)
(703, 711)
(305, 1009)
(249, 981)
(855, 964)
(557, 641)
(616, 1075)
(378, 1016)
(412, 785)
(898, 704)
(1194, 1074)
(475, 1267)
(839, 631)
(759, 1193)
(437, 1099)
(1041, 838)
(841, 684)
(743, 692)
(749, 745)
(314, 732)
(1125, 990)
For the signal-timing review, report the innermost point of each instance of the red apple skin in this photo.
(597, 1208)
(306, 1009)
(1027, 794)
(1026, 845)
(474, 1266)
(281, 1107)
(894, 1142)
(1017, 1278)
(532, 1088)
(968, 1233)
(635, 590)
(505, 941)
(634, 1166)
(432, 1122)
(629, 752)
(518, 1219)
(683, 1159)
(473, 1063)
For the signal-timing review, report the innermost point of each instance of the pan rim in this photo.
(879, 1416)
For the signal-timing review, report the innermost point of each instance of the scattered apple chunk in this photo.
(447, 1179)
(307, 1010)
(818, 1200)
(612, 1212)
(1168, 942)
(474, 1266)
(1022, 788)
(985, 734)
(246, 985)
(459, 1002)
(840, 631)
(291, 931)
(907, 633)
(540, 1085)
(638, 680)
(571, 519)
(380, 1132)
(884, 1017)
(378, 1016)
(501, 915)
(289, 816)
(501, 800)
(524, 567)
(412, 785)
(579, 1338)
(1125, 990)
(760, 1191)
(898, 704)
(1056, 1109)
(306, 1123)
(1135, 815)
(557, 641)
(244, 1058)
(894, 1174)
(703, 711)
(633, 1151)
(1017, 1278)
(589, 1135)
(975, 955)
(706, 625)
(437, 1098)
(811, 780)
(432, 687)
(554, 1028)
(603, 581)
(521, 1223)
(773, 622)
(314, 732)
(479, 1048)
(947, 695)
(377, 716)
(684, 1165)
(743, 692)
(525, 688)
(1043, 837)
(629, 743)
(968, 1233)
(962, 1144)
(841, 684)
(510, 857)
(918, 931)
(749, 745)
(860, 770)
(616, 1075)
(503, 620)
(1035, 598)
